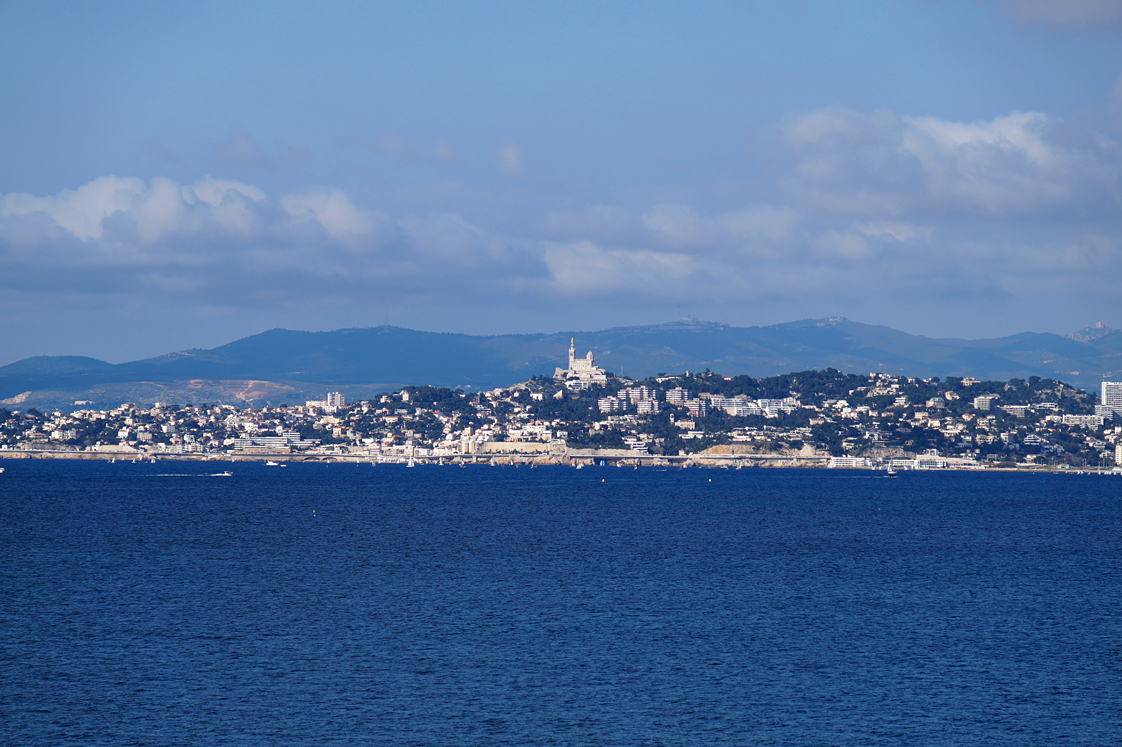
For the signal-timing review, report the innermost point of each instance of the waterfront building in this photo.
(848, 462)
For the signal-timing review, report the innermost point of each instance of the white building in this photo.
(582, 370)
(1083, 421)
(1112, 396)
(983, 402)
(333, 402)
(848, 462)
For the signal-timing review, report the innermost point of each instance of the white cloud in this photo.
(213, 191)
(890, 165)
(155, 210)
(159, 211)
(332, 209)
(451, 240)
(584, 268)
(79, 211)
(676, 225)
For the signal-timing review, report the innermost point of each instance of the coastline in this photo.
(570, 458)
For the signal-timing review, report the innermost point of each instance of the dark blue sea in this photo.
(153, 604)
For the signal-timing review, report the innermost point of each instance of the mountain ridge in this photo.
(360, 361)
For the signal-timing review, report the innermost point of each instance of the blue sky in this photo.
(183, 174)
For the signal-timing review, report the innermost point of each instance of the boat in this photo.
(227, 473)
(410, 463)
(891, 473)
(271, 463)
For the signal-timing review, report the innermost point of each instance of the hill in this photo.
(286, 365)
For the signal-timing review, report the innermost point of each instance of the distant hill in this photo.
(285, 365)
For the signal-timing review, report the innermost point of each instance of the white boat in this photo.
(891, 473)
(271, 463)
(410, 463)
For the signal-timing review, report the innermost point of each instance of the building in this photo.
(1083, 421)
(677, 395)
(1112, 396)
(334, 401)
(983, 402)
(610, 404)
(581, 371)
(848, 462)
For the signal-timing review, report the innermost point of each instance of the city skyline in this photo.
(182, 176)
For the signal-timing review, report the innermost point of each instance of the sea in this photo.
(354, 604)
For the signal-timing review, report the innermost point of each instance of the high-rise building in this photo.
(1112, 396)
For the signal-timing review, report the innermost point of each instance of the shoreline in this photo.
(583, 459)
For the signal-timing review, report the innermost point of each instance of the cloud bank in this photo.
(854, 211)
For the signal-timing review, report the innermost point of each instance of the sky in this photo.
(180, 175)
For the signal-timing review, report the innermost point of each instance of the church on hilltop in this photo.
(582, 372)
